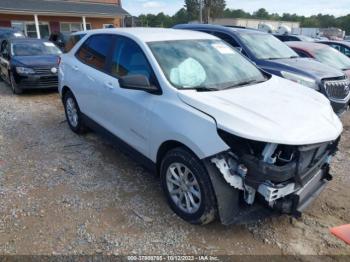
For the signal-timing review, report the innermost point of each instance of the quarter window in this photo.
(95, 51)
(129, 59)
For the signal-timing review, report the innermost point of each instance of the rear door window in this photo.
(95, 50)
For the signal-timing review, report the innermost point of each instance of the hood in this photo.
(276, 111)
(47, 60)
(305, 65)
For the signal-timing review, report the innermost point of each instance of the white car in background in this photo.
(228, 140)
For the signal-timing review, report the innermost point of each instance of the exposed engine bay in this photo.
(282, 175)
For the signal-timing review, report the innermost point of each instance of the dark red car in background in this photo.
(322, 53)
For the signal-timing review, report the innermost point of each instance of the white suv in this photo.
(228, 140)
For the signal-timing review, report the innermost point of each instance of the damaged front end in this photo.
(280, 178)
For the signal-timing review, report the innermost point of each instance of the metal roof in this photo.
(63, 7)
(151, 34)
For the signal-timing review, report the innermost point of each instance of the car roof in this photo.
(220, 28)
(307, 46)
(153, 34)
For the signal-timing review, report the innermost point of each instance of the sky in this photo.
(301, 7)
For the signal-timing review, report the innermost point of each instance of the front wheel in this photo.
(15, 89)
(187, 186)
(73, 114)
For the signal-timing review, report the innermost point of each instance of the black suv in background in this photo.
(275, 57)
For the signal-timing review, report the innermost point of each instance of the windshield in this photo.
(35, 49)
(204, 64)
(332, 57)
(265, 46)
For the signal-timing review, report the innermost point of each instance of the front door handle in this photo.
(76, 68)
(109, 85)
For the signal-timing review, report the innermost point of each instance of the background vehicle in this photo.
(8, 32)
(66, 41)
(29, 64)
(287, 37)
(323, 54)
(223, 141)
(275, 57)
(341, 46)
(59, 39)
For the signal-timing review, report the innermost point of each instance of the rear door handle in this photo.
(76, 68)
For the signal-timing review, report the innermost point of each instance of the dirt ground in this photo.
(66, 194)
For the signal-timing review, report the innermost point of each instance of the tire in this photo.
(15, 89)
(197, 183)
(73, 114)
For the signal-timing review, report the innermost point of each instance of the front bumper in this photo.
(232, 208)
(37, 81)
(297, 202)
(264, 189)
(340, 107)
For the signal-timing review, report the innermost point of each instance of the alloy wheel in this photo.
(72, 112)
(183, 188)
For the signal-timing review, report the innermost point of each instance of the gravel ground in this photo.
(66, 194)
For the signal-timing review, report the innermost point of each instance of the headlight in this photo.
(24, 70)
(306, 81)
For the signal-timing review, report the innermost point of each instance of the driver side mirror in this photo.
(138, 82)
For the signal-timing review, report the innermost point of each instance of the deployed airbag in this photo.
(189, 73)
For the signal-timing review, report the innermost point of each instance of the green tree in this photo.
(213, 9)
(181, 17)
(216, 8)
(193, 7)
(261, 14)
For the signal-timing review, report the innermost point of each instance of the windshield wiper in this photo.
(273, 58)
(244, 83)
(204, 89)
(276, 58)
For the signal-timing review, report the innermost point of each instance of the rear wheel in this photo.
(187, 187)
(73, 114)
(15, 89)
